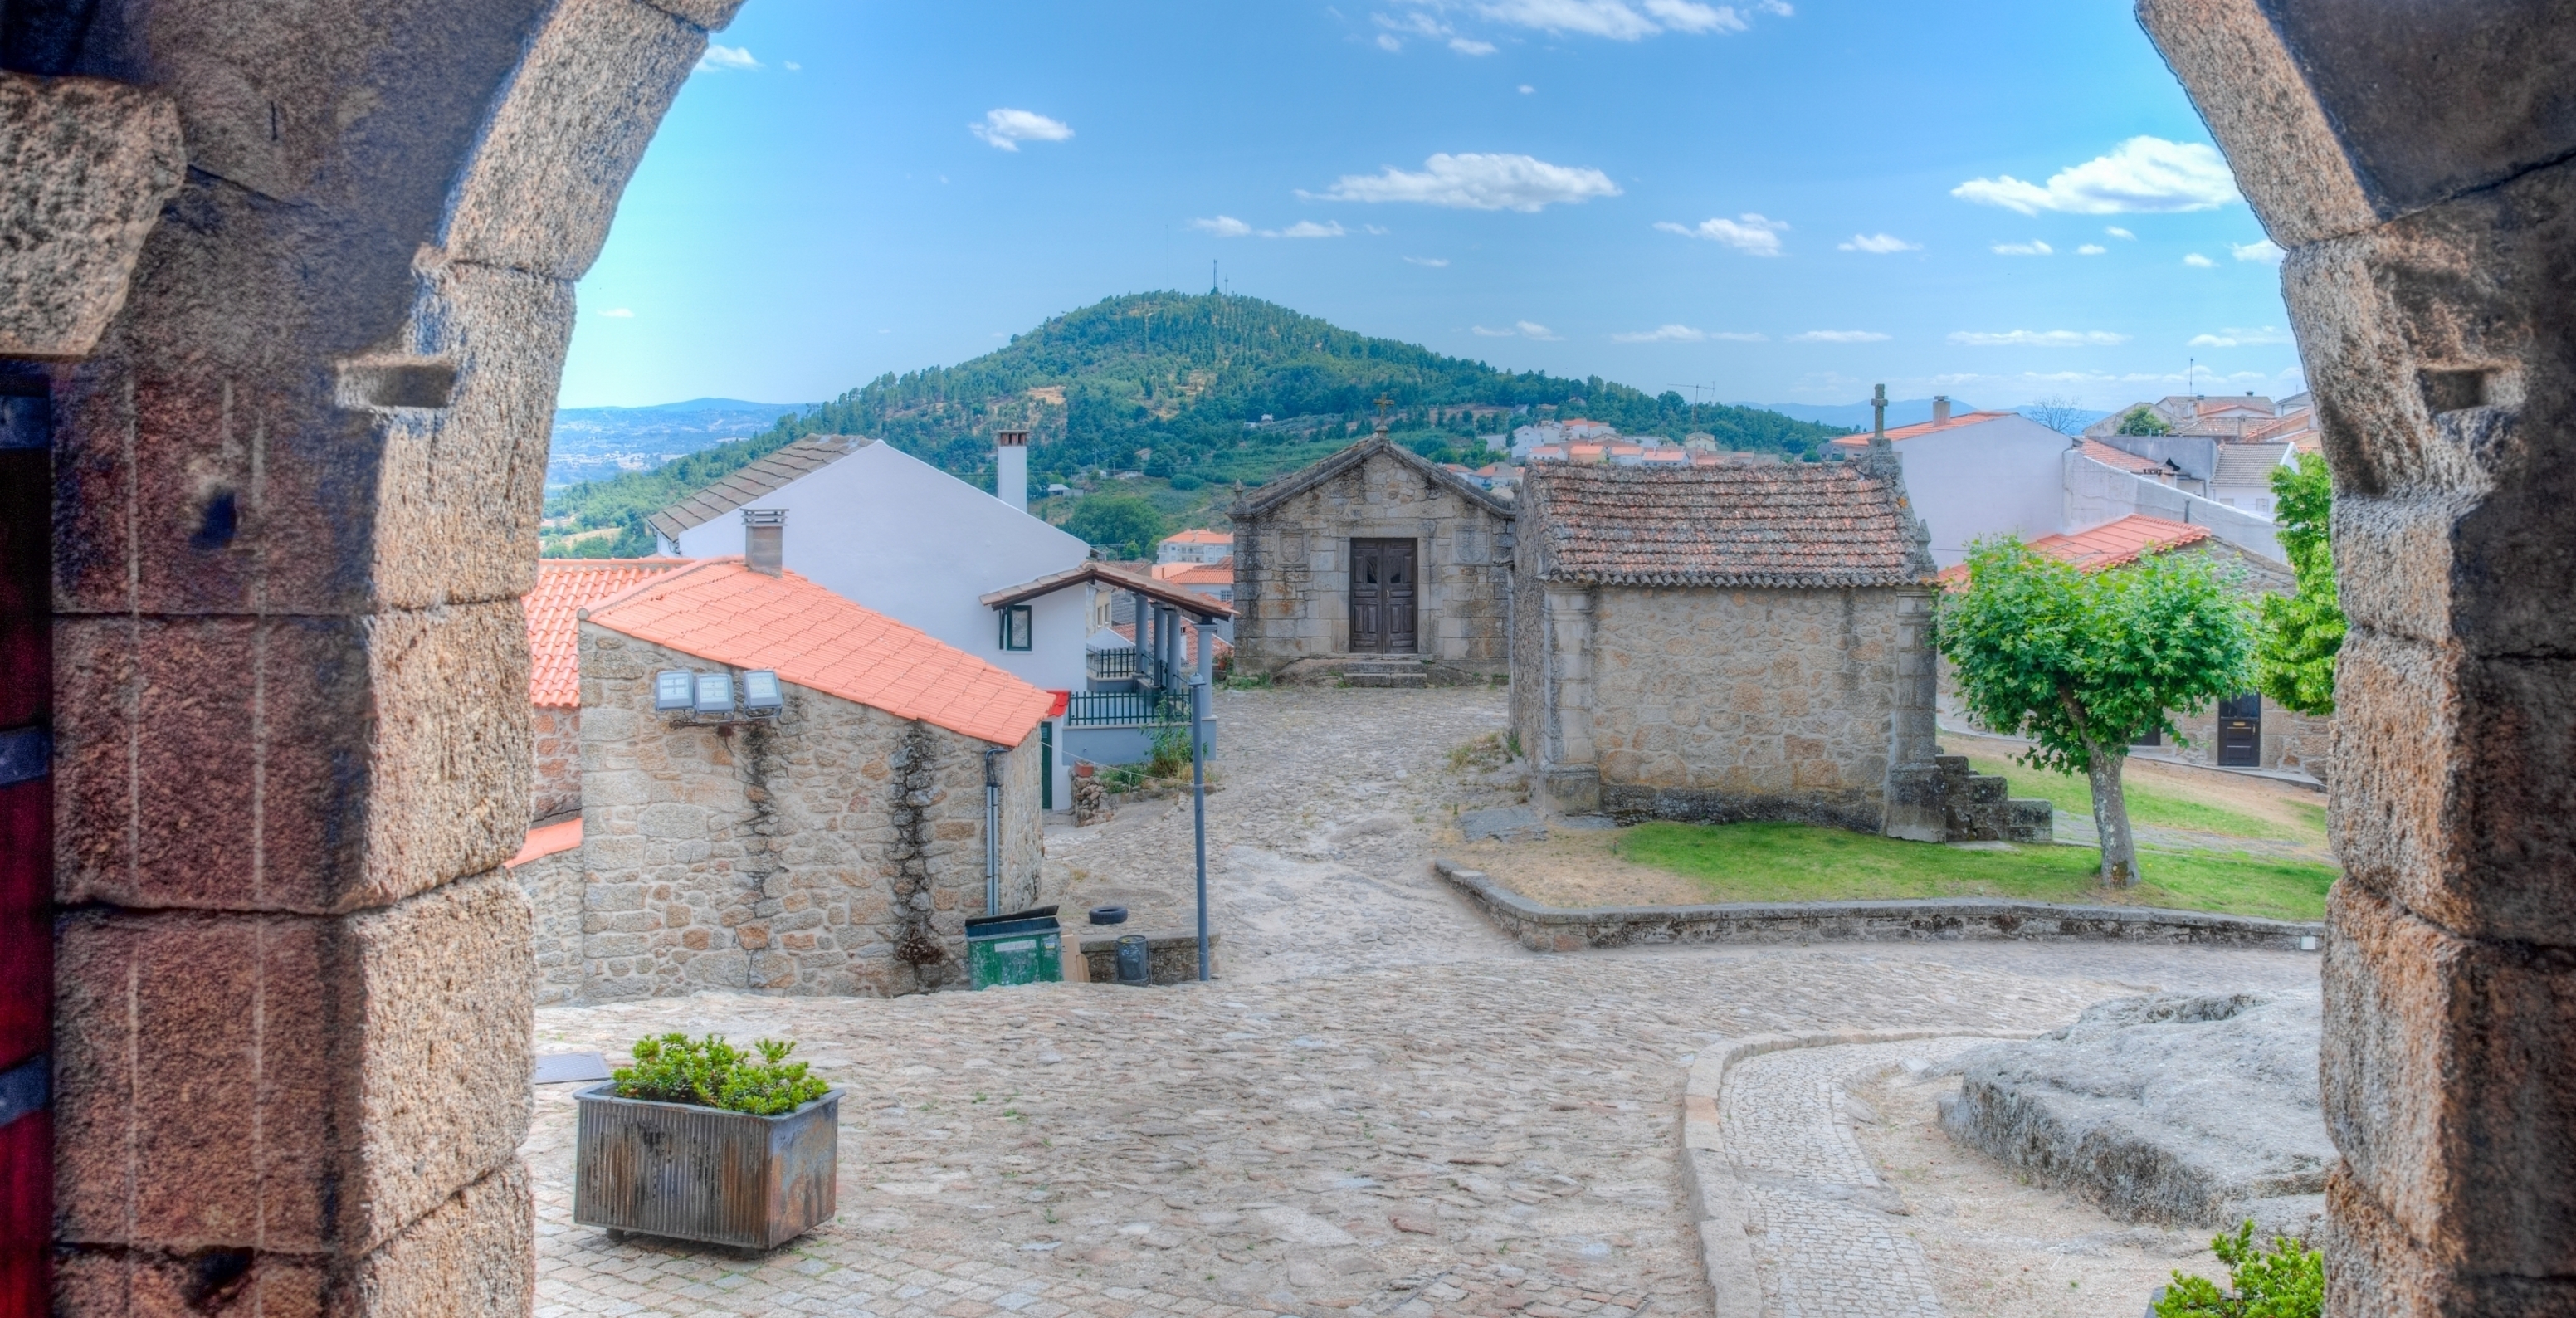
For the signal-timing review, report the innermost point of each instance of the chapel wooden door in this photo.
(2240, 731)
(1384, 592)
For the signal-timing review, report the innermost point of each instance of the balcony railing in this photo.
(1113, 665)
(1097, 709)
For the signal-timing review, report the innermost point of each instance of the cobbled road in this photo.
(1380, 1108)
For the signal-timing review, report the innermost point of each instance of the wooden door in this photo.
(1384, 596)
(2240, 731)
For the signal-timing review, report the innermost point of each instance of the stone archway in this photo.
(299, 399)
(2418, 161)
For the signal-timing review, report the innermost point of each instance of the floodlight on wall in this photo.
(760, 691)
(675, 688)
(715, 693)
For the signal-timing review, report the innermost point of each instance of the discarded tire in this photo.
(1109, 915)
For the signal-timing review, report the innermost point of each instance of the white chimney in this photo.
(1940, 410)
(1011, 468)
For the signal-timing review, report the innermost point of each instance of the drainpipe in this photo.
(992, 832)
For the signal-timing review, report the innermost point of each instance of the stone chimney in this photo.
(1011, 468)
(764, 540)
(1940, 410)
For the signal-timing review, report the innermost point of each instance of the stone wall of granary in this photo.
(553, 884)
(1292, 570)
(836, 849)
(1725, 705)
(554, 743)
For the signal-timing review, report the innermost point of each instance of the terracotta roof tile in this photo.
(2112, 544)
(1198, 536)
(565, 586)
(720, 610)
(1791, 524)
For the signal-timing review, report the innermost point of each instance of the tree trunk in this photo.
(2111, 819)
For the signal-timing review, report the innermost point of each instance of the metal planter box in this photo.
(698, 1173)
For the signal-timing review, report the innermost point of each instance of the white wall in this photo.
(1998, 477)
(916, 544)
(2098, 493)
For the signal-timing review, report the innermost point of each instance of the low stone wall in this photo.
(1174, 960)
(1554, 929)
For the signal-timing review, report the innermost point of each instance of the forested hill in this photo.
(1191, 389)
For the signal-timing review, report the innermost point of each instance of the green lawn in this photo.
(1804, 863)
(2155, 804)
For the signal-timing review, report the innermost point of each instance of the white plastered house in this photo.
(1978, 474)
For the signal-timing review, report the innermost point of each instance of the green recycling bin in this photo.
(1022, 947)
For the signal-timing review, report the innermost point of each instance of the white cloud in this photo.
(1307, 229)
(1223, 226)
(1527, 89)
(2198, 261)
(2117, 232)
(1470, 46)
(793, 67)
(2143, 174)
(2038, 339)
(1007, 128)
(2232, 337)
(1477, 181)
(1531, 329)
(2032, 248)
(2261, 249)
(1492, 333)
(1879, 243)
(1386, 41)
(1663, 334)
(1839, 336)
(1435, 262)
(1620, 21)
(2091, 249)
(619, 313)
(728, 58)
(1371, 228)
(1751, 235)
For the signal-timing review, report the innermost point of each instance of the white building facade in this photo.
(1979, 474)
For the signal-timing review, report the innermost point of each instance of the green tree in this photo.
(2087, 663)
(2142, 420)
(2294, 660)
(1122, 524)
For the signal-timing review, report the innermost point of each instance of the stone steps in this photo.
(1386, 673)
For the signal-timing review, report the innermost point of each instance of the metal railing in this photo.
(1113, 665)
(1096, 709)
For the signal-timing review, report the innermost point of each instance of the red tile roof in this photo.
(2112, 544)
(2124, 460)
(720, 610)
(564, 587)
(1198, 536)
(1922, 428)
(547, 841)
(1190, 576)
(1820, 525)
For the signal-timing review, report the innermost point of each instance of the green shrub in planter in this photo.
(2286, 1281)
(712, 1073)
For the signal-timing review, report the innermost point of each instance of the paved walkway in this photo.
(1403, 1114)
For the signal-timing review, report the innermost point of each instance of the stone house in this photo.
(565, 586)
(1729, 643)
(833, 844)
(1373, 555)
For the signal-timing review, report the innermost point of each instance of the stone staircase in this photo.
(1395, 671)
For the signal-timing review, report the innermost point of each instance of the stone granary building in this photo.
(1374, 557)
(276, 389)
(1734, 643)
(831, 844)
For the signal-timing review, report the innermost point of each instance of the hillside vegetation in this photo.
(1185, 394)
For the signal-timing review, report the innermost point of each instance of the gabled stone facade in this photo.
(1292, 563)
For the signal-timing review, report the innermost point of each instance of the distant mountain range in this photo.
(591, 443)
(1900, 412)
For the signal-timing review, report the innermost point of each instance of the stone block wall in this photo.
(554, 741)
(553, 884)
(836, 849)
(1725, 705)
(1292, 570)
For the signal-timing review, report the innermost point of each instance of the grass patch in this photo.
(1804, 863)
(2153, 804)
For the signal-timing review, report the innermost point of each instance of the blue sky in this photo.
(2001, 200)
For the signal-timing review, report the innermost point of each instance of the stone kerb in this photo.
(1557, 929)
(1711, 1193)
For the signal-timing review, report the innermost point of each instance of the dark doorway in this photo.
(2240, 731)
(1383, 592)
(26, 842)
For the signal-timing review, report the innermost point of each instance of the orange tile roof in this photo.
(564, 587)
(2112, 544)
(1219, 573)
(720, 610)
(1197, 536)
(1922, 428)
(2124, 460)
(547, 841)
